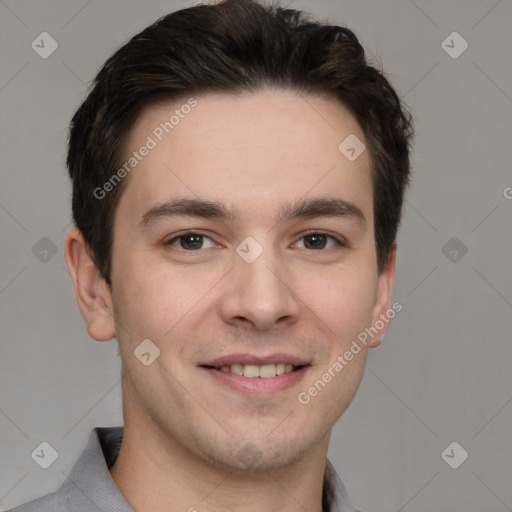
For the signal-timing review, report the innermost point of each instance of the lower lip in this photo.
(258, 385)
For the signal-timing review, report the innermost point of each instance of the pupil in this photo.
(191, 241)
(316, 241)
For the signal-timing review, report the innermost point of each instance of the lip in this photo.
(256, 386)
(280, 357)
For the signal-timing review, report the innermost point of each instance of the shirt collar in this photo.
(89, 485)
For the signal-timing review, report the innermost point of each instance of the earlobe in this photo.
(381, 313)
(92, 293)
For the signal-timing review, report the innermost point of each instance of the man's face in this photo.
(200, 290)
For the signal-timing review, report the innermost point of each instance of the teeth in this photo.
(268, 370)
(237, 368)
(251, 370)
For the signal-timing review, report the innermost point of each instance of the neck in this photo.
(158, 474)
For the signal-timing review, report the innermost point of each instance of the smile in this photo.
(266, 371)
(255, 380)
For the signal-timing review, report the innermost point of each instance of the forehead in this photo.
(256, 149)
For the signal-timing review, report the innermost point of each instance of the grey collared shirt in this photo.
(90, 488)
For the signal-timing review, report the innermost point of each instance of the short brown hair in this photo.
(234, 46)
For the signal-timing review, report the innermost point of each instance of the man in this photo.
(238, 175)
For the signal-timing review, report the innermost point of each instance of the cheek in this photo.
(344, 301)
(143, 301)
(153, 300)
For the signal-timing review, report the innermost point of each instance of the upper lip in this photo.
(280, 357)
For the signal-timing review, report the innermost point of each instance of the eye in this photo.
(318, 241)
(191, 241)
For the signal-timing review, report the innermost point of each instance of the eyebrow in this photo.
(189, 207)
(302, 209)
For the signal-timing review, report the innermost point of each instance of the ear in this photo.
(381, 316)
(92, 292)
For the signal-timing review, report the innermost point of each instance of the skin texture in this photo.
(184, 429)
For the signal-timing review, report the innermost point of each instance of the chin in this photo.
(258, 454)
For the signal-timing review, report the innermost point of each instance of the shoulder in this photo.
(42, 504)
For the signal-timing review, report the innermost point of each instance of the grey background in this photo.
(443, 371)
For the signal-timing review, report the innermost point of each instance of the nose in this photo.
(260, 295)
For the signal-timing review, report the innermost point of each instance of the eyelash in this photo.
(340, 242)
